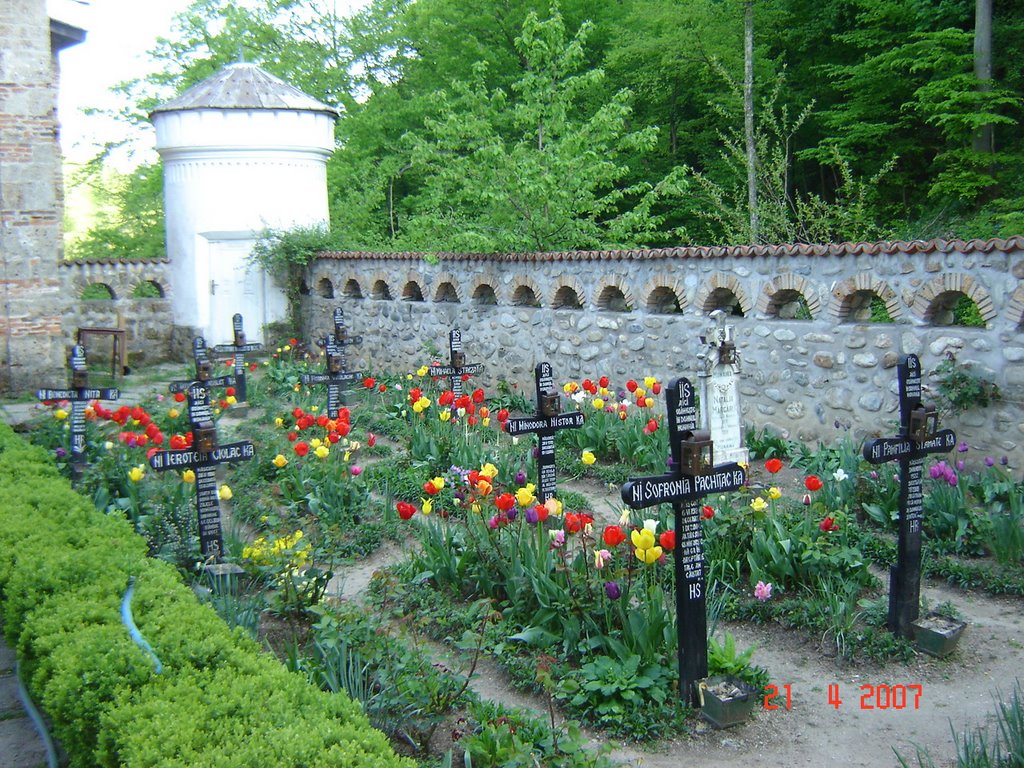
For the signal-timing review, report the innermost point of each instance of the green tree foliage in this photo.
(535, 171)
(869, 134)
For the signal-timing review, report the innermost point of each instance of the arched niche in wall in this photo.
(148, 289)
(1015, 307)
(325, 288)
(485, 295)
(526, 294)
(954, 299)
(304, 287)
(568, 295)
(412, 291)
(98, 292)
(864, 299)
(353, 289)
(789, 297)
(723, 291)
(664, 298)
(380, 290)
(614, 296)
(446, 293)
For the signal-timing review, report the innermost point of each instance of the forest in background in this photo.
(511, 125)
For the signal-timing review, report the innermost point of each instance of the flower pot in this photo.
(937, 635)
(726, 700)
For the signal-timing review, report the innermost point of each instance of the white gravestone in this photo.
(719, 392)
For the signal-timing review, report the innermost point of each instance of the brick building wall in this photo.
(32, 304)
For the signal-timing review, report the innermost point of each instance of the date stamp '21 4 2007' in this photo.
(871, 697)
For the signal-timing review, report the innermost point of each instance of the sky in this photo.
(119, 33)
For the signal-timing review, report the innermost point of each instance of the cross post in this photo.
(337, 362)
(459, 367)
(204, 371)
(79, 394)
(692, 476)
(545, 424)
(918, 436)
(237, 350)
(203, 456)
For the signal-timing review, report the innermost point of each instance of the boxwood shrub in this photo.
(219, 700)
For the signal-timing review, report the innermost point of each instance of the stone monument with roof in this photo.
(243, 151)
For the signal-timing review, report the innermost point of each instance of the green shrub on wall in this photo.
(219, 701)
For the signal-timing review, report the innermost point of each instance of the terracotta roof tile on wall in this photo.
(114, 260)
(713, 252)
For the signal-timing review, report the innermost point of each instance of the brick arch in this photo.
(136, 284)
(524, 281)
(721, 281)
(482, 282)
(324, 287)
(440, 280)
(658, 290)
(610, 289)
(412, 291)
(844, 296)
(573, 284)
(377, 279)
(352, 289)
(1015, 307)
(107, 285)
(781, 290)
(925, 303)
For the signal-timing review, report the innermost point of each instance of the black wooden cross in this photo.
(337, 362)
(549, 419)
(692, 476)
(458, 367)
(204, 370)
(918, 436)
(238, 350)
(203, 457)
(79, 394)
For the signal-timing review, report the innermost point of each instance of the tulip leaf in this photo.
(535, 636)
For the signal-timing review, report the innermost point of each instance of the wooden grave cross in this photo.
(459, 367)
(204, 371)
(918, 436)
(78, 394)
(692, 476)
(549, 419)
(337, 362)
(203, 457)
(238, 349)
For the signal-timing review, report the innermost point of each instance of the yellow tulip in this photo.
(642, 538)
(322, 452)
(525, 496)
(427, 506)
(225, 493)
(136, 473)
(423, 370)
(650, 381)
(648, 556)
(60, 414)
(759, 504)
(588, 458)
(280, 461)
(173, 413)
(278, 422)
(774, 493)
(315, 443)
(445, 415)
(188, 476)
(231, 399)
(489, 470)
(598, 403)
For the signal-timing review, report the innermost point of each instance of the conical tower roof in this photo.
(244, 86)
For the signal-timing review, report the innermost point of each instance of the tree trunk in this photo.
(983, 139)
(748, 115)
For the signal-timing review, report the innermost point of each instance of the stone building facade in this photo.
(32, 337)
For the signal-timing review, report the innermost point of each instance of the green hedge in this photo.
(219, 702)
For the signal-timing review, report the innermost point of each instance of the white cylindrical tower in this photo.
(243, 151)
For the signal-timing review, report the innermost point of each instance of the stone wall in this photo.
(31, 206)
(148, 322)
(636, 313)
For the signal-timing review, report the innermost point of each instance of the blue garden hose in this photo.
(36, 718)
(128, 621)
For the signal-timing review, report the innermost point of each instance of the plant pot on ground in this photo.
(726, 700)
(937, 635)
